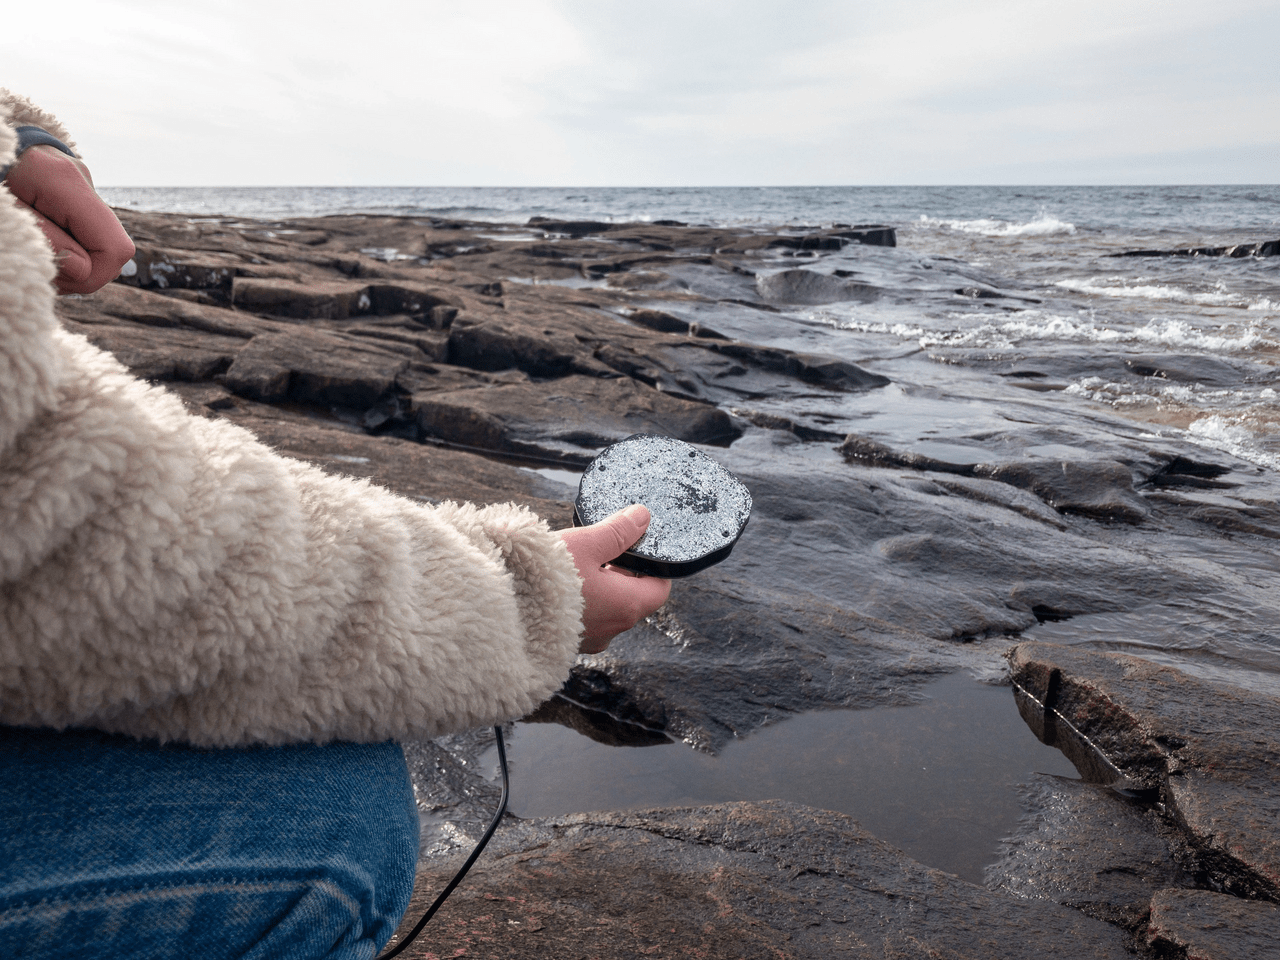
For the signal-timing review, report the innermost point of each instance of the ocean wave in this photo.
(904, 330)
(1037, 325)
(1116, 286)
(1045, 224)
(1234, 435)
(1153, 390)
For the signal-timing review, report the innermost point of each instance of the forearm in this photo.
(169, 576)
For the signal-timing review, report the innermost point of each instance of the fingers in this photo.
(74, 263)
(616, 602)
(93, 244)
(614, 599)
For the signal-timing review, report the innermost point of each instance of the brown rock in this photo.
(492, 346)
(565, 418)
(1202, 925)
(405, 296)
(740, 880)
(315, 367)
(149, 309)
(1210, 751)
(165, 353)
(328, 300)
(175, 269)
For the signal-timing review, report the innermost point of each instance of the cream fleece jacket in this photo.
(163, 575)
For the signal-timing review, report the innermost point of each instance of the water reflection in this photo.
(936, 779)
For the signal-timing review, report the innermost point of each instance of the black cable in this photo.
(457, 879)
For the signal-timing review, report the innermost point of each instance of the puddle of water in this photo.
(569, 478)
(937, 780)
(573, 283)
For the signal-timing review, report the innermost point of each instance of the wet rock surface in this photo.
(1207, 754)
(734, 880)
(446, 359)
(1264, 248)
(1198, 923)
(1092, 848)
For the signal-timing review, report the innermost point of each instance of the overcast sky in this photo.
(641, 93)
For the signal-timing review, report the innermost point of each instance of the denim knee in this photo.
(118, 848)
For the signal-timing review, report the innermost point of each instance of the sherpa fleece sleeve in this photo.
(168, 576)
(22, 112)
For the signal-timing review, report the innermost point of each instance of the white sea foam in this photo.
(1116, 286)
(1040, 325)
(1231, 434)
(1045, 224)
(1155, 390)
(903, 330)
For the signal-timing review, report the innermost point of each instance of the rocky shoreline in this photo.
(439, 358)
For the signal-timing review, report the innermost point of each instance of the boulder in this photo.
(183, 270)
(856, 448)
(1183, 368)
(1088, 847)
(1265, 248)
(571, 228)
(871, 234)
(813, 368)
(146, 308)
(666, 323)
(164, 354)
(811, 287)
(494, 346)
(417, 299)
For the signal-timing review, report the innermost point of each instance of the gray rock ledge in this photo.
(742, 880)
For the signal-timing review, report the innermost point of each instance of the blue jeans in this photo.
(116, 848)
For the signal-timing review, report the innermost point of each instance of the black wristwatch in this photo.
(30, 136)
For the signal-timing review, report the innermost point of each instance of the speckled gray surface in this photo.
(697, 506)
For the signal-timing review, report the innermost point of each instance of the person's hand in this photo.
(88, 241)
(615, 599)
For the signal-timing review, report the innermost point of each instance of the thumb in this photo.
(613, 535)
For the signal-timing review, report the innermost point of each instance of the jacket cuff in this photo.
(22, 112)
(548, 588)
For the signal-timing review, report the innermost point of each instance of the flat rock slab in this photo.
(314, 299)
(1202, 925)
(1212, 751)
(742, 880)
(1099, 489)
(317, 367)
(570, 417)
(1087, 847)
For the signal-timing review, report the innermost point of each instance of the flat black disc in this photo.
(698, 508)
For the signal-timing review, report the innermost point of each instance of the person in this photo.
(208, 651)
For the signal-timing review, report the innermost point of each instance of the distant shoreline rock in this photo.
(1265, 248)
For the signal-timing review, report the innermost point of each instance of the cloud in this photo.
(698, 92)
